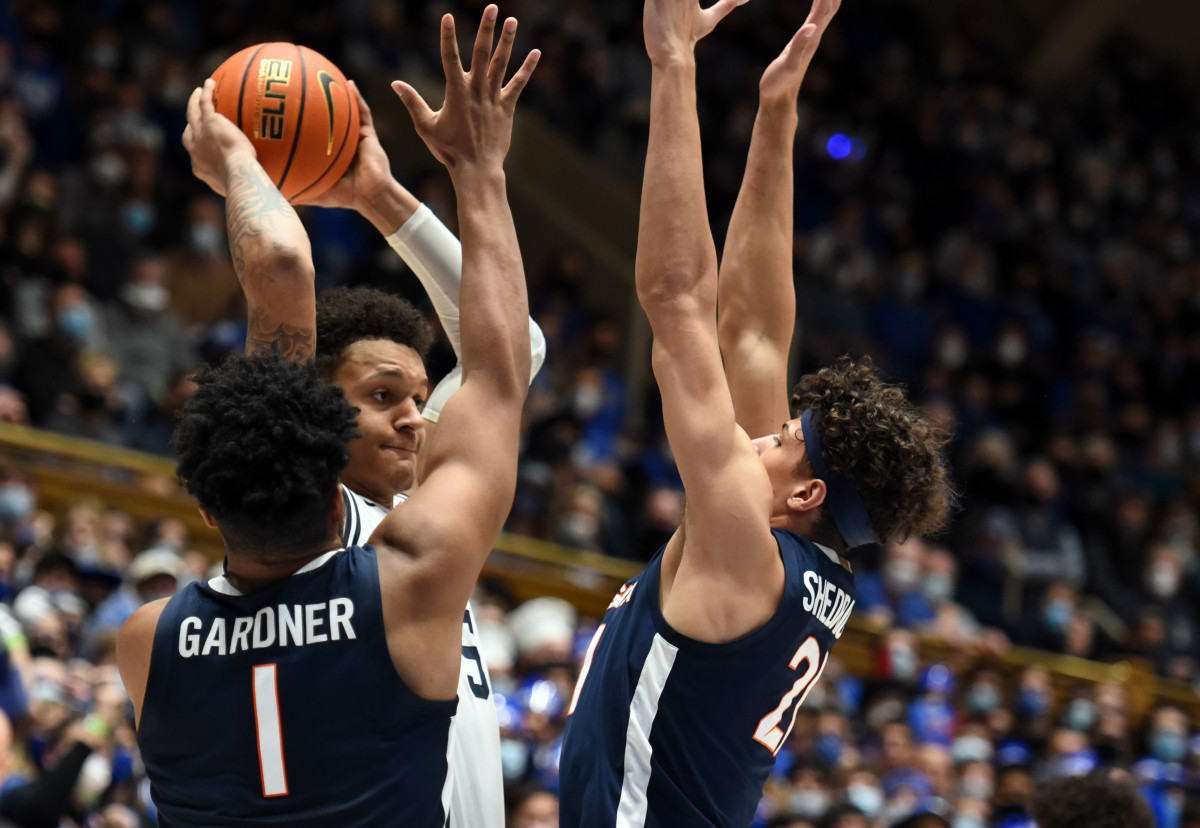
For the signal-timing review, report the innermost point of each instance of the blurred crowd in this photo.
(1025, 262)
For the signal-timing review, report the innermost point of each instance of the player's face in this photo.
(781, 454)
(386, 382)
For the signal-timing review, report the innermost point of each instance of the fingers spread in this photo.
(451, 62)
(483, 45)
(418, 110)
(499, 66)
(512, 90)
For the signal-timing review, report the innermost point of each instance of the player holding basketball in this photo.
(266, 693)
(371, 344)
(691, 684)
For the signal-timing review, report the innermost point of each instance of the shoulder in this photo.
(135, 643)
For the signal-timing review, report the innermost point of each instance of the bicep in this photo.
(757, 372)
(135, 643)
(728, 492)
(448, 526)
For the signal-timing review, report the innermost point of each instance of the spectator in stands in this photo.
(45, 373)
(1095, 800)
(146, 338)
(895, 595)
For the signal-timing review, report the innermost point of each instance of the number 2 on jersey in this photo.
(270, 731)
(769, 733)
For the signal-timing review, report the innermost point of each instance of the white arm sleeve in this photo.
(434, 254)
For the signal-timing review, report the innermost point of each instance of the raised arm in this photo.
(433, 547)
(270, 249)
(756, 301)
(417, 235)
(722, 570)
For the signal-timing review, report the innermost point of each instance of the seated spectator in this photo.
(895, 593)
(1095, 800)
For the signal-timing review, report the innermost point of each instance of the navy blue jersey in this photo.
(667, 731)
(283, 707)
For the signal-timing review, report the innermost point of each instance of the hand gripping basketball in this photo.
(211, 139)
(474, 125)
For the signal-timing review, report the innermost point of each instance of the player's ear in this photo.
(806, 495)
(209, 520)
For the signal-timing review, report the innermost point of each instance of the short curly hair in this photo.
(891, 453)
(261, 445)
(1097, 800)
(349, 315)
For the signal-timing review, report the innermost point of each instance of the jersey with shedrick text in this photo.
(667, 731)
(283, 707)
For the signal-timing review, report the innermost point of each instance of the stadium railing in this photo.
(65, 471)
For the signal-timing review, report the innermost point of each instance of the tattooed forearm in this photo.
(254, 207)
(265, 333)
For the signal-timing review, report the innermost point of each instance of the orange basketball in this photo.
(297, 110)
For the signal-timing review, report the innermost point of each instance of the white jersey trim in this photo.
(221, 583)
(631, 811)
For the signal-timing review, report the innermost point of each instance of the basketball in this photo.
(297, 110)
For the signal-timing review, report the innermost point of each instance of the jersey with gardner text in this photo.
(284, 706)
(666, 731)
(474, 788)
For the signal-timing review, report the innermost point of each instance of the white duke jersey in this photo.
(475, 784)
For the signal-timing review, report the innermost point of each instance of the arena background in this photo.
(998, 202)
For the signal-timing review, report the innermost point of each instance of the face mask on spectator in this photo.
(867, 798)
(587, 400)
(1032, 702)
(983, 699)
(811, 804)
(205, 238)
(976, 786)
(904, 662)
(1163, 581)
(938, 588)
(16, 503)
(968, 821)
(108, 169)
(139, 217)
(1081, 715)
(971, 748)
(1168, 745)
(514, 759)
(901, 575)
(145, 296)
(1057, 613)
(75, 321)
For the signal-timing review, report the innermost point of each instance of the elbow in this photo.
(280, 264)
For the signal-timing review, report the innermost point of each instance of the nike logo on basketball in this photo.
(327, 80)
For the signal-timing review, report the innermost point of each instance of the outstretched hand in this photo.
(369, 172)
(474, 125)
(673, 27)
(211, 139)
(781, 81)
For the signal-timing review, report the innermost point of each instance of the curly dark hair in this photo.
(261, 445)
(1097, 800)
(349, 315)
(886, 448)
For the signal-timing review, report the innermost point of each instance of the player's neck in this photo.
(375, 494)
(247, 575)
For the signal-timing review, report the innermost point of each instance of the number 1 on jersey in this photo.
(270, 731)
(769, 733)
